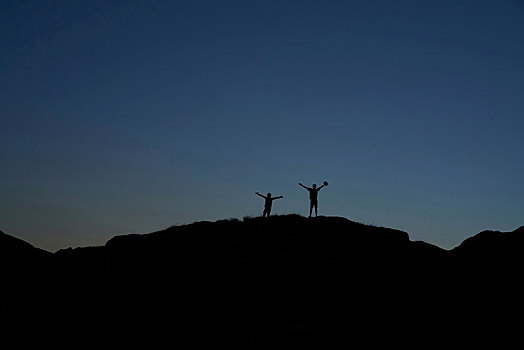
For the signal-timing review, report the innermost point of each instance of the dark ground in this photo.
(282, 282)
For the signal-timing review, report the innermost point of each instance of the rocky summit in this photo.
(259, 283)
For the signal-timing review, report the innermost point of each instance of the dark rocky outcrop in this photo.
(278, 282)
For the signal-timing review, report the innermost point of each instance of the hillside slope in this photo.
(279, 282)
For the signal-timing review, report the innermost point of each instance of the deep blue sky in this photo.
(131, 116)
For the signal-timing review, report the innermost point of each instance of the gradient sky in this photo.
(131, 116)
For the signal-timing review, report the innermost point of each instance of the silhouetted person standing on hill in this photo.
(268, 203)
(313, 197)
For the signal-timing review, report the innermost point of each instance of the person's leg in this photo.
(310, 208)
(316, 209)
(264, 213)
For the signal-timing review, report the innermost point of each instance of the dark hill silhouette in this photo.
(489, 270)
(21, 268)
(277, 282)
(492, 252)
(14, 248)
(491, 242)
(19, 258)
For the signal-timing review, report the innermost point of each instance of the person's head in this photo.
(314, 185)
(269, 195)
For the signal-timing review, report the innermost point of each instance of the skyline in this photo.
(130, 116)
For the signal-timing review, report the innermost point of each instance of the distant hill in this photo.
(490, 243)
(278, 282)
(492, 255)
(14, 248)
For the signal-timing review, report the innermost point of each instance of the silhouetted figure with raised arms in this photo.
(313, 197)
(268, 203)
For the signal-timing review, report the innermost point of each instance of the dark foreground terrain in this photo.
(283, 282)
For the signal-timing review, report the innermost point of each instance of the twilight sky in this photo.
(131, 116)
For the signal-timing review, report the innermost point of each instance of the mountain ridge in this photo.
(284, 281)
(15, 248)
(21, 242)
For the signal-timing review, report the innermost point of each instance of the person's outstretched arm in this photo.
(321, 187)
(261, 195)
(307, 188)
(278, 197)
